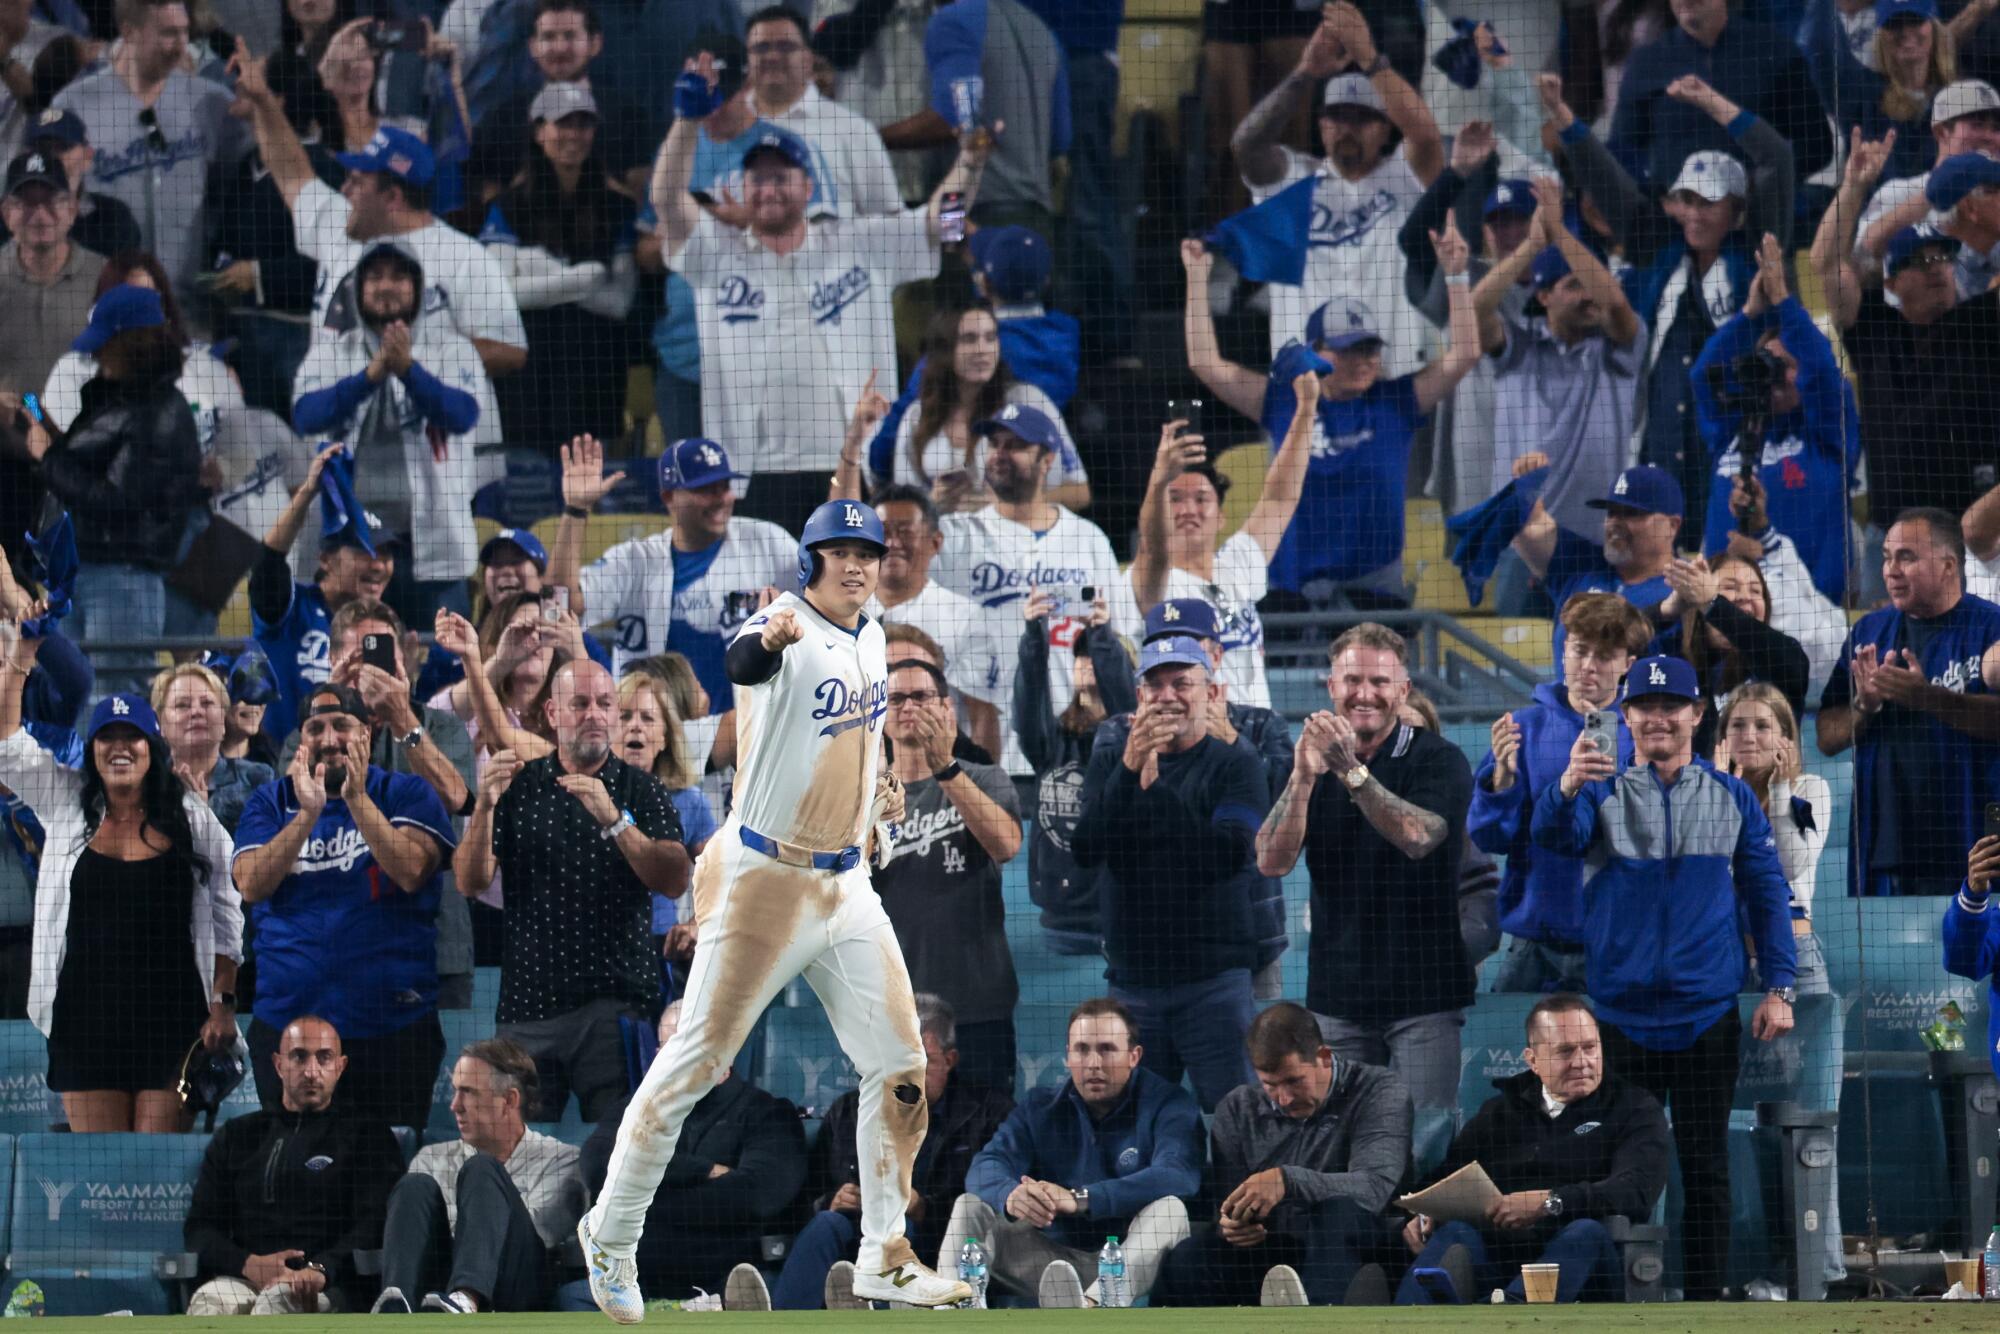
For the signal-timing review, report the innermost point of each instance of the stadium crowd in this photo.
(323, 308)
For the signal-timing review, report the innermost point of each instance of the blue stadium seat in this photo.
(92, 1213)
(801, 1060)
(26, 1105)
(1490, 1047)
(460, 1027)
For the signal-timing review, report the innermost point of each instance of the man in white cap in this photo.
(1965, 118)
(1382, 150)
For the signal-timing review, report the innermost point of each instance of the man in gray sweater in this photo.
(1305, 1159)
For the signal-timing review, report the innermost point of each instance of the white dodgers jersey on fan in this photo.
(809, 740)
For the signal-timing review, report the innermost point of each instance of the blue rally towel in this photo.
(339, 508)
(1267, 242)
(1458, 59)
(54, 569)
(1481, 534)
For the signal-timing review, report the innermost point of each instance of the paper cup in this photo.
(1538, 1282)
(1962, 1271)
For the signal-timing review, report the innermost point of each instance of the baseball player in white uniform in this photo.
(783, 889)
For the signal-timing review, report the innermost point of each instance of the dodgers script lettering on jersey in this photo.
(738, 300)
(843, 707)
(996, 584)
(1348, 226)
(832, 297)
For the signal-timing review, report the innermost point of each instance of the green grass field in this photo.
(1760, 1317)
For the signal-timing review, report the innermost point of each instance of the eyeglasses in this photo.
(1927, 259)
(156, 138)
(920, 698)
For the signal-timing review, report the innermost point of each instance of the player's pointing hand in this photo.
(781, 630)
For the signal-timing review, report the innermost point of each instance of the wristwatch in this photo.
(624, 822)
(1553, 1205)
(1355, 777)
(411, 739)
(1082, 1197)
(1789, 995)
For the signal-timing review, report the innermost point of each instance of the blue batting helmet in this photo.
(837, 521)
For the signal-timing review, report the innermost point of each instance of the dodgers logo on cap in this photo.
(1170, 613)
(1657, 675)
(1623, 485)
(120, 707)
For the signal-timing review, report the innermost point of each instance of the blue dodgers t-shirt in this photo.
(301, 653)
(340, 939)
(1577, 566)
(704, 649)
(1349, 521)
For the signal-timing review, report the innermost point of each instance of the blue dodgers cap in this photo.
(1192, 618)
(1015, 260)
(1511, 196)
(1645, 488)
(785, 144)
(1906, 245)
(1173, 651)
(64, 127)
(1958, 176)
(1031, 424)
(1548, 269)
(132, 710)
(1888, 11)
(395, 152)
(529, 545)
(1661, 676)
(1340, 324)
(693, 463)
(123, 307)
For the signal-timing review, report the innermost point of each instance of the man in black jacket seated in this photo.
(1568, 1146)
(820, 1268)
(286, 1197)
(736, 1169)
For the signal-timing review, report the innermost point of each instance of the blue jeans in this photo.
(1584, 1249)
(1533, 966)
(1196, 1028)
(1096, 253)
(821, 1244)
(1422, 1049)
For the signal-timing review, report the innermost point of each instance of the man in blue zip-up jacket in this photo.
(1541, 892)
(1972, 934)
(1674, 851)
(1115, 1151)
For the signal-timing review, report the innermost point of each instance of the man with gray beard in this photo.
(582, 841)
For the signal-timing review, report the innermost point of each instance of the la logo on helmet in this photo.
(853, 519)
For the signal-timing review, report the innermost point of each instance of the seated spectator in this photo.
(1114, 1151)
(1964, 118)
(1664, 985)
(410, 396)
(1057, 744)
(312, 854)
(940, 879)
(747, 287)
(850, 164)
(131, 863)
(1557, 1182)
(819, 1269)
(566, 36)
(1653, 132)
(1642, 515)
(47, 278)
(1693, 256)
(737, 1166)
(966, 379)
(1718, 619)
(286, 1197)
(1180, 556)
(1172, 817)
(1305, 1160)
(1010, 272)
(1389, 976)
(192, 704)
(1567, 382)
(1915, 58)
(565, 236)
(1760, 745)
(386, 197)
(104, 225)
(578, 946)
(688, 589)
(972, 659)
(127, 469)
(1541, 893)
(1812, 435)
(1921, 717)
(163, 133)
(477, 1222)
(1346, 527)
(1381, 148)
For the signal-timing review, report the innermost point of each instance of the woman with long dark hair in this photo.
(565, 236)
(134, 871)
(1721, 623)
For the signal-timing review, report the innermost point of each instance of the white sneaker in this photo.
(838, 1292)
(745, 1290)
(703, 1301)
(910, 1283)
(614, 1282)
(451, 1303)
(1282, 1287)
(391, 1302)
(1060, 1289)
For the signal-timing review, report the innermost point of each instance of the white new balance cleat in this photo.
(901, 1278)
(614, 1282)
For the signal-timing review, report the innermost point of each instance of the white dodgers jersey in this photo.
(809, 740)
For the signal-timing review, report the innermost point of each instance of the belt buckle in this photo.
(846, 859)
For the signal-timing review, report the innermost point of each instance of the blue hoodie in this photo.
(1149, 1146)
(1665, 871)
(1971, 948)
(1541, 892)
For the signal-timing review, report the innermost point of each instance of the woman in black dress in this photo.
(138, 928)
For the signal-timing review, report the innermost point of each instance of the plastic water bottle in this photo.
(1989, 1268)
(972, 1271)
(1111, 1287)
